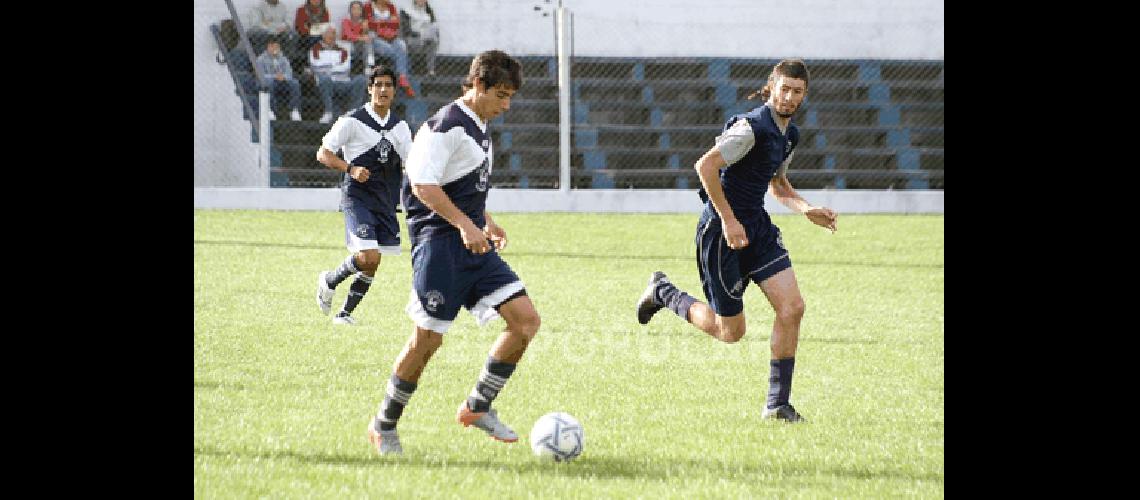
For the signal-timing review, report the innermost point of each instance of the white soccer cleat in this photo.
(343, 319)
(324, 293)
(487, 421)
(385, 442)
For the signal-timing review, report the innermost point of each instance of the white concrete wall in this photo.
(587, 200)
(223, 153)
(840, 29)
(879, 29)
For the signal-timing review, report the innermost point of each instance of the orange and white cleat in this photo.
(385, 442)
(488, 421)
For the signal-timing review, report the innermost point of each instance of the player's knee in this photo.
(526, 324)
(791, 311)
(730, 334)
(368, 260)
(426, 342)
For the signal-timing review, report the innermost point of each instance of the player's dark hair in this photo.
(791, 68)
(492, 68)
(379, 70)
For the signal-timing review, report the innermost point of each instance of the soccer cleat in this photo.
(385, 442)
(647, 305)
(783, 412)
(488, 421)
(324, 293)
(342, 318)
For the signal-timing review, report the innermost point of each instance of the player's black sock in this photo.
(491, 381)
(344, 270)
(396, 397)
(780, 381)
(356, 292)
(672, 297)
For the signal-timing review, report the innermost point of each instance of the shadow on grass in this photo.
(566, 255)
(586, 467)
(688, 332)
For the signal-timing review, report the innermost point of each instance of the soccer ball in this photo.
(557, 436)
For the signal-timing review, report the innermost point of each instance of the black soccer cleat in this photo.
(783, 412)
(647, 305)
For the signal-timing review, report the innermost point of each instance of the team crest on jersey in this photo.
(383, 147)
(363, 231)
(432, 300)
(484, 176)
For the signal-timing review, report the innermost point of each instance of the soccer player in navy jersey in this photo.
(736, 239)
(375, 143)
(455, 259)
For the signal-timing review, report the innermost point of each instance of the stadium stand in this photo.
(643, 123)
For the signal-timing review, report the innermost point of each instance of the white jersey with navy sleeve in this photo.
(451, 150)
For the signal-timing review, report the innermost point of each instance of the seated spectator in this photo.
(421, 33)
(311, 21)
(355, 29)
(270, 19)
(384, 20)
(277, 76)
(329, 63)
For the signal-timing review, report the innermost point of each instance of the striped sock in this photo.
(491, 380)
(343, 271)
(395, 398)
(356, 292)
(676, 300)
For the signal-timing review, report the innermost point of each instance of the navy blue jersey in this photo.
(451, 150)
(745, 181)
(379, 144)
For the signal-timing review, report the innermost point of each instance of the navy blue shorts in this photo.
(725, 272)
(445, 276)
(367, 227)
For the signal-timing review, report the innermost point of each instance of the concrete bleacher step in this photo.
(633, 119)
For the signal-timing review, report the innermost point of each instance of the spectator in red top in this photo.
(312, 13)
(384, 19)
(355, 29)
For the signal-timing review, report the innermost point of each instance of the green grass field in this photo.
(282, 397)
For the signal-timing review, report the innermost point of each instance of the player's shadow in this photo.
(584, 467)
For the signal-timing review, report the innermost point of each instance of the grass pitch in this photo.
(282, 396)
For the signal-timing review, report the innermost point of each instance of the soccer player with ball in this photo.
(454, 251)
(736, 239)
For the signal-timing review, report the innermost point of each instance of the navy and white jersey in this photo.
(377, 143)
(756, 151)
(451, 150)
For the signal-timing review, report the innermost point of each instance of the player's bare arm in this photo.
(331, 160)
(433, 196)
(708, 169)
(781, 188)
(494, 232)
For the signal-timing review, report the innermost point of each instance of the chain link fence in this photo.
(642, 122)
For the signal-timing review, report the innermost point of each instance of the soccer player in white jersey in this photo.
(375, 142)
(736, 239)
(455, 244)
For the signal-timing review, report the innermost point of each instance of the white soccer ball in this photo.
(557, 436)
